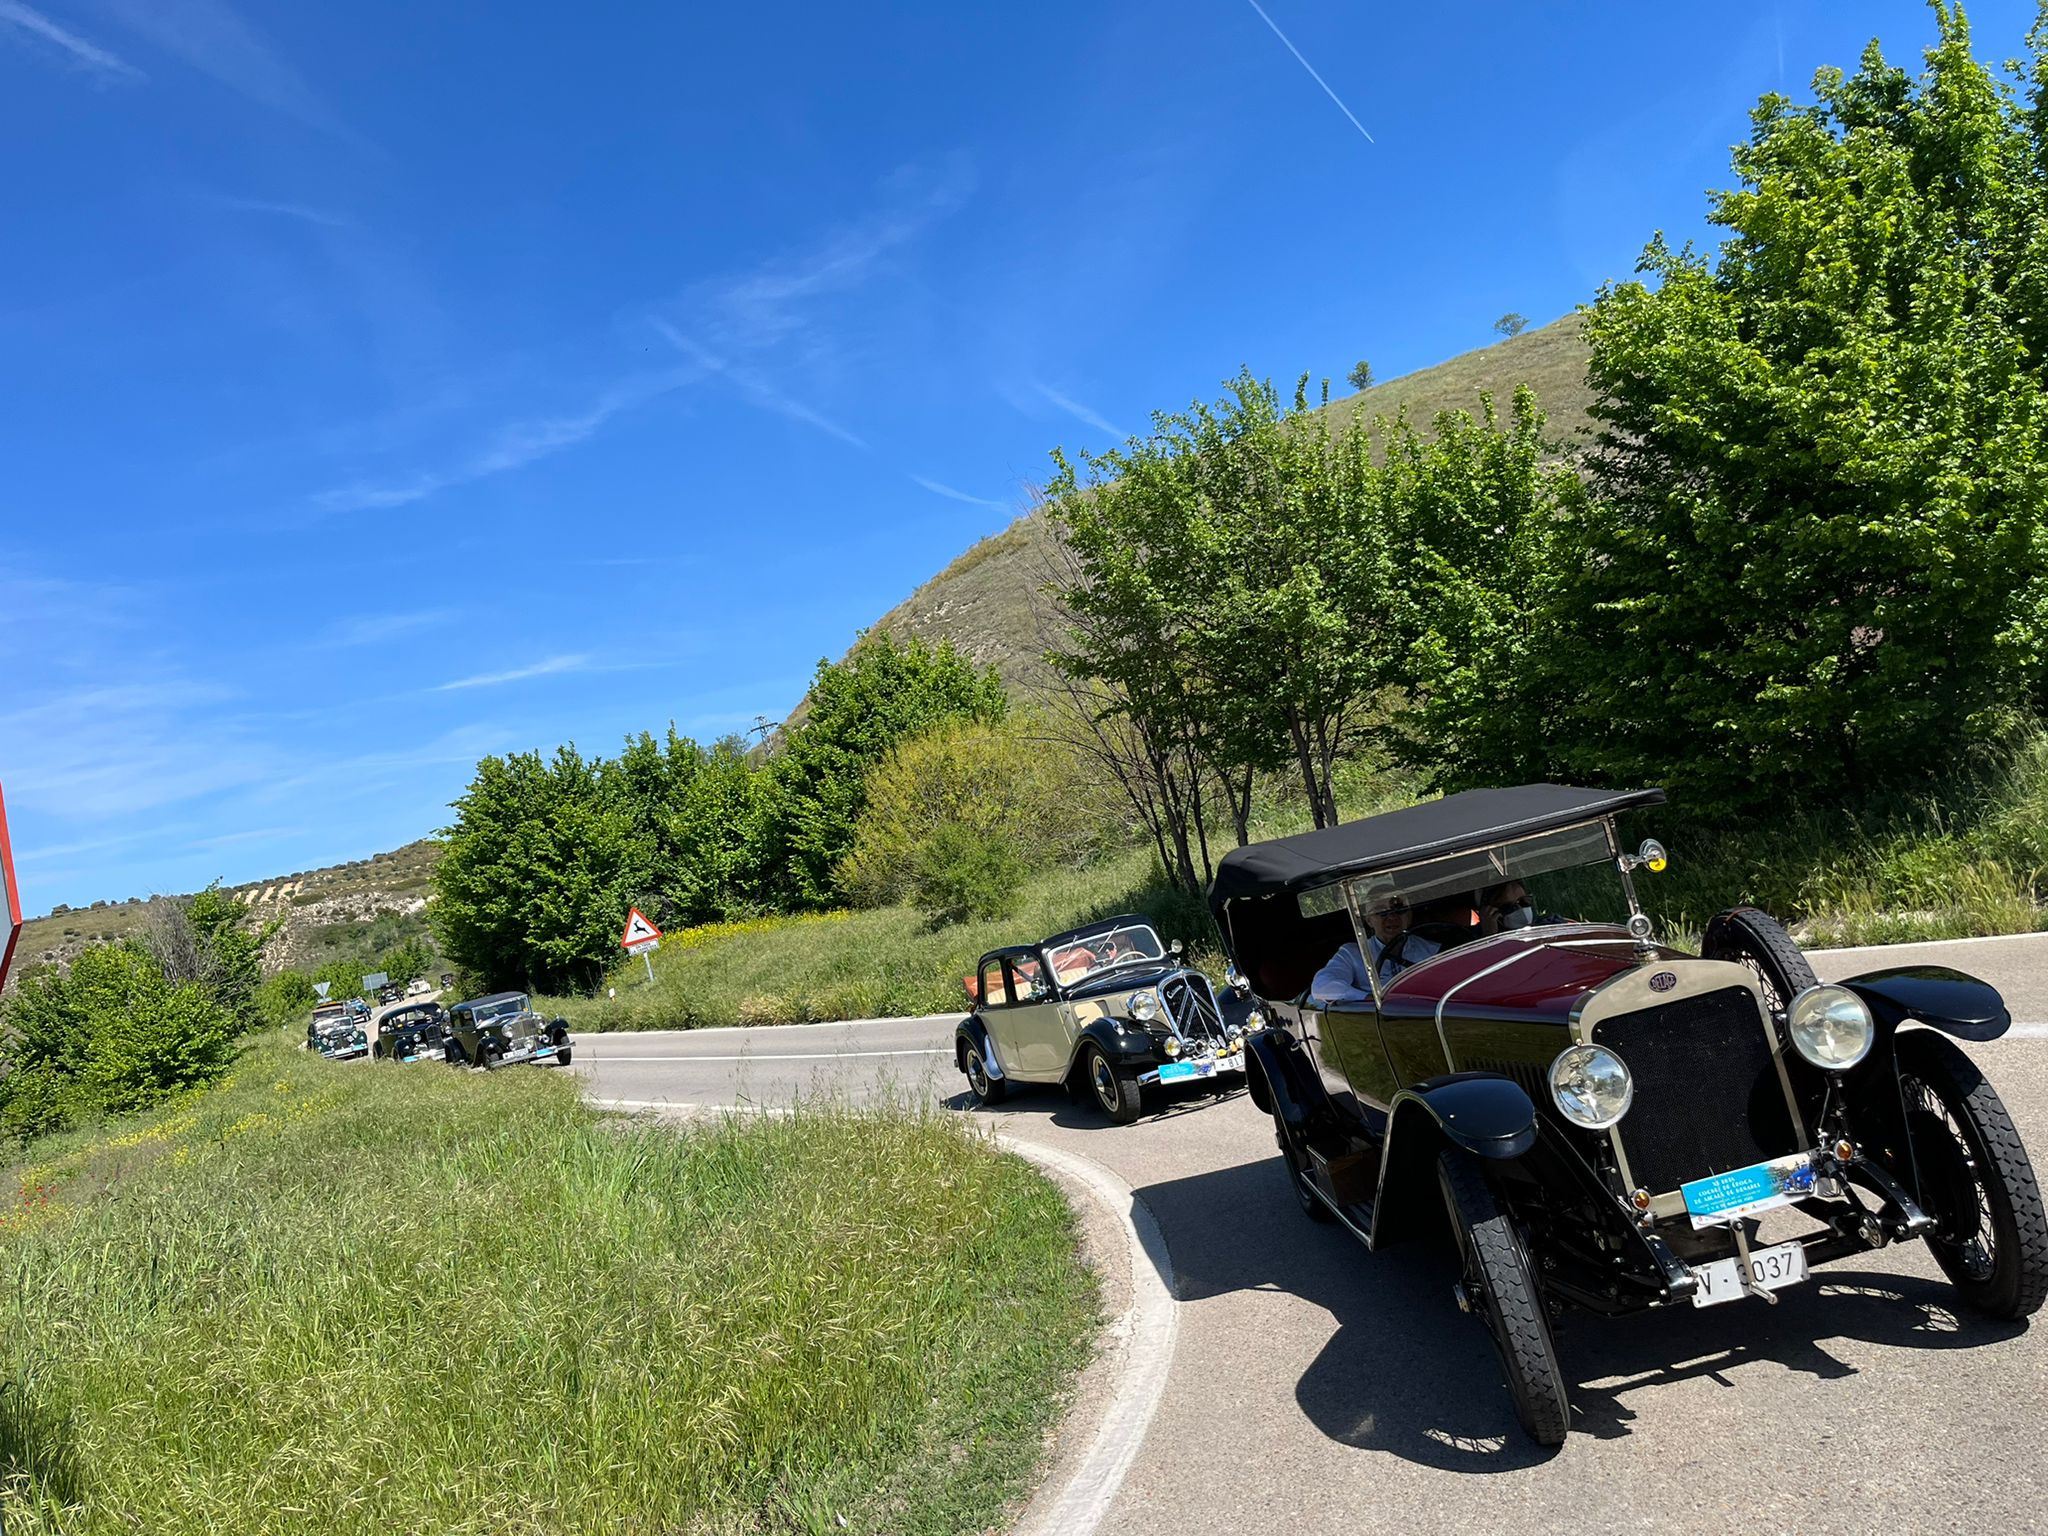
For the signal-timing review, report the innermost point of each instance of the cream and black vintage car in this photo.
(1104, 1010)
(1607, 1122)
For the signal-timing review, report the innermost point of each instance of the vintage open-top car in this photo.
(1104, 1009)
(412, 1032)
(503, 1029)
(1604, 1119)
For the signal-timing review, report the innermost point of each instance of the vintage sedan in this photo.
(1607, 1121)
(339, 1031)
(501, 1030)
(1104, 1009)
(411, 1033)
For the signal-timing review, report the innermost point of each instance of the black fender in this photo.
(1950, 1001)
(1282, 1081)
(1488, 1115)
(972, 1031)
(1123, 1042)
(558, 1032)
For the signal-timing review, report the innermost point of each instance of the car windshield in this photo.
(1567, 875)
(1076, 960)
(500, 1011)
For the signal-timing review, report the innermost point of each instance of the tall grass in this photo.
(353, 1298)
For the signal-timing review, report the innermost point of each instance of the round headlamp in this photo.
(1144, 1006)
(1831, 1027)
(1255, 1020)
(1591, 1085)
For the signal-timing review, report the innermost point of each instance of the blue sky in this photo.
(384, 386)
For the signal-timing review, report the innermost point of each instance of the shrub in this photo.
(961, 875)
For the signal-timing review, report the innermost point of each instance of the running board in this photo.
(1357, 1217)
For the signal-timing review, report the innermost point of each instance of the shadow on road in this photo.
(1405, 1372)
(1080, 1113)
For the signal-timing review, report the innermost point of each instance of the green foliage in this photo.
(960, 873)
(1818, 556)
(113, 1034)
(884, 692)
(1510, 325)
(776, 1324)
(344, 978)
(699, 809)
(285, 998)
(1360, 375)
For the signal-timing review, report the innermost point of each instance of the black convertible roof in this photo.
(1476, 818)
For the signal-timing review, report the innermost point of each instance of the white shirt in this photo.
(1344, 979)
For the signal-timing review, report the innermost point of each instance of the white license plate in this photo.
(1771, 1268)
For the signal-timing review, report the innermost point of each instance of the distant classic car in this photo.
(1103, 1009)
(502, 1029)
(410, 1033)
(1605, 1118)
(339, 1031)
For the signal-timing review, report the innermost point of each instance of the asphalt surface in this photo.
(1316, 1387)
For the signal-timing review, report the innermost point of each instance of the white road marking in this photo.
(1982, 938)
(768, 1056)
(2027, 1032)
(714, 1032)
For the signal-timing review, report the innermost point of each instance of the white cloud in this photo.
(939, 488)
(373, 628)
(212, 39)
(1080, 412)
(552, 667)
(1304, 63)
(94, 57)
(299, 211)
(756, 388)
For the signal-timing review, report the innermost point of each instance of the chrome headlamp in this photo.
(1591, 1085)
(1831, 1027)
(1144, 1006)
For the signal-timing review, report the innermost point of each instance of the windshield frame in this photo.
(1088, 940)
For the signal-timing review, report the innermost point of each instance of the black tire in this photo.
(1501, 1288)
(986, 1089)
(1118, 1093)
(1759, 941)
(454, 1054)
(1297, 1174)
(562, 1054)
(1992, 1234)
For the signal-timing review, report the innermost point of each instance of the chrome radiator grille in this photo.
(1708, 1095)
(1192, 1007)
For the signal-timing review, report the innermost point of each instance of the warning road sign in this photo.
(10, 899)
(640, 934)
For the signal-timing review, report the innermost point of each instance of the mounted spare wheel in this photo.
(1759, 941)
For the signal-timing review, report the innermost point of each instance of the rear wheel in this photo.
(989, 1090)
(1116, 1090)
(1499, 1285)
(1991, 1234)
(1759, 941)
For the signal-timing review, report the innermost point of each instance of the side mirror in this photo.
(1650, 856)
(1174, 949)
(1233, 977)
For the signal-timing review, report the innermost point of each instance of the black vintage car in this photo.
(1608, 1122)
(502, 1029)
(339, 1031)
(1103, 1009)
(410, 1033)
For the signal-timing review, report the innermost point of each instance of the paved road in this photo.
(1319, 1388)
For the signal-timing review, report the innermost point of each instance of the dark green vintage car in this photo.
(339, 1031)
(501, 1030)
(419, 1030)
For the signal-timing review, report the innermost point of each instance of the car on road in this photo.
(418, 987)
(503, 1029)
(412, 1033)
(1104, 1010)
(1606, 1121)
(339, 1031)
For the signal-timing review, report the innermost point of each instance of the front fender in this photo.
(1488, 1115)
(1934, 995)
(1127, 1046)
(971, 1031)
(1282, 1082)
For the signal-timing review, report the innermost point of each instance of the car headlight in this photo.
(1144, 1006)
(1254, 1020)
(1591, 1085)
(1831, 1027)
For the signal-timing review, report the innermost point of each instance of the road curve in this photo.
(1317, 1388)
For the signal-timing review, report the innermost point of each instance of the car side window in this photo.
(995, 991)
(1026, 979)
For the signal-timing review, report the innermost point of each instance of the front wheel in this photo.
(1498, 1284)
(1117, 1091)
(1298, 1174)
(562, 1054)
(989, 1090)
(1991, 1235)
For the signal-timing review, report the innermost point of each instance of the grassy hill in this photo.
(982, 602)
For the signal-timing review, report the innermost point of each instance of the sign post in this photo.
(10, 899)
(640, 938)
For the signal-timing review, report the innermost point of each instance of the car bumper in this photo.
(1195, 1069)
(537, 1053)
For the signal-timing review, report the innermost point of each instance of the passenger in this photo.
(1394, 949)
(1505, 906)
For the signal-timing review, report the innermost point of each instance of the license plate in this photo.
(1771, 1268)
(1180, 1071)
(1747, 1191)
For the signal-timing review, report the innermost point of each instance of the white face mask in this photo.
(1522, 916)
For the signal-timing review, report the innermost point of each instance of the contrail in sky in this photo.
(1319, 80)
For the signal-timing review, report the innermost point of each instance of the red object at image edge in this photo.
(13, 895)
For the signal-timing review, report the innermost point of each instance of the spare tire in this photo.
(1758, 940)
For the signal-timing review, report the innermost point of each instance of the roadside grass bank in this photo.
(354, 1298)
(1965, 858)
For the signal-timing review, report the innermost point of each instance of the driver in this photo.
(1394, 949)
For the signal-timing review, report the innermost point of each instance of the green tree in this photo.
(1818, 557)
(285, 997)
(207, 939)
(411, 959)
(543, 859)
(883, 692)
(1360, 374)
(699, 809)
(1510, 325)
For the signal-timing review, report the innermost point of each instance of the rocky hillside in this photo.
(984, 601)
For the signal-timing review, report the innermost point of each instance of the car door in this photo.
(997, 1012)
(1037, 1021)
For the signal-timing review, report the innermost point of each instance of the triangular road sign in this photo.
(639, 931)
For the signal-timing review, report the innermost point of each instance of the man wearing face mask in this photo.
(1394, 949)
(1505, 906)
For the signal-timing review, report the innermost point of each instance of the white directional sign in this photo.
(10, 899)
(640, 935)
